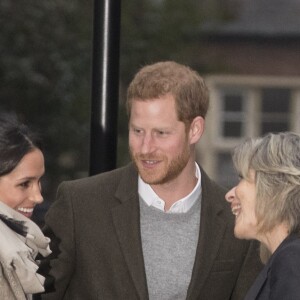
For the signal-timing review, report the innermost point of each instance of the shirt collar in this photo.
(181, 206)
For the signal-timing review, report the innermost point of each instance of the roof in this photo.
(260, 18)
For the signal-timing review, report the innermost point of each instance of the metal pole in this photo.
(105, 85)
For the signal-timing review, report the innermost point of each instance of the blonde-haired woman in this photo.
(266, 203)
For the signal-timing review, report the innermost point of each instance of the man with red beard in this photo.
(158, 228)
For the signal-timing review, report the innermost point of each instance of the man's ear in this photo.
(196, 129)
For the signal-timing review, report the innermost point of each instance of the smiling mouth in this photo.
(236, 209)
(150, 162)
(25, 210)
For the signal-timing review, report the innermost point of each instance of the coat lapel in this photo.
(212, 229)
(126, 218)
(262, 285)
(258, 284)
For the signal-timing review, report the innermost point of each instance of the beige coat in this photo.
(18, 276)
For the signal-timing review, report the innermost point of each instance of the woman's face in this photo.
(243, 198)
(21, 188)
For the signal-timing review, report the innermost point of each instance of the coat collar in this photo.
(263, 275)
(212, 224)
(126, 218)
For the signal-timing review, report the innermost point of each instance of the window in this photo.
(226, 176)
(245, 107)
(233, 114)
(275, 110)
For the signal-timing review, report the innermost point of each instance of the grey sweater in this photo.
(169, 243)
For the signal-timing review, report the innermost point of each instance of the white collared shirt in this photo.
(181, 206)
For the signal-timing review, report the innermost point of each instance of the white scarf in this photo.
(18, 253)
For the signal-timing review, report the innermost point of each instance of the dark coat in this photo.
(280, 278)
(95, 229)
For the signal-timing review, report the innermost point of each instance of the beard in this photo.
(166, 171)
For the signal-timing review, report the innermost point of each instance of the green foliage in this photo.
(45, 68)
(157, 30)
(45, 54)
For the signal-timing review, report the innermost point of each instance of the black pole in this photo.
(105, 85)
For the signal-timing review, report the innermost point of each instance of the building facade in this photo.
(254, 79)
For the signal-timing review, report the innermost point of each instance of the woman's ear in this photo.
(196, 129)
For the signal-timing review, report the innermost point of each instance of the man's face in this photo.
(158, 142)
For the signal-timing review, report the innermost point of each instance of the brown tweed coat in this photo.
(95, 229)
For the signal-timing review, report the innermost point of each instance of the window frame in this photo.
(212, 143)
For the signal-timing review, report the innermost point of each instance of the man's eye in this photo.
(137, 131)
(162, 132)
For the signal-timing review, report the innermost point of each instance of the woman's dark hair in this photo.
(16, 140)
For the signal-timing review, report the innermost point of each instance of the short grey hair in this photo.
(275, 159)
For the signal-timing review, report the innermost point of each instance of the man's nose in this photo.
(148, 144)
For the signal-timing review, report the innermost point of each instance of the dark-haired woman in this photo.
(21, 169)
